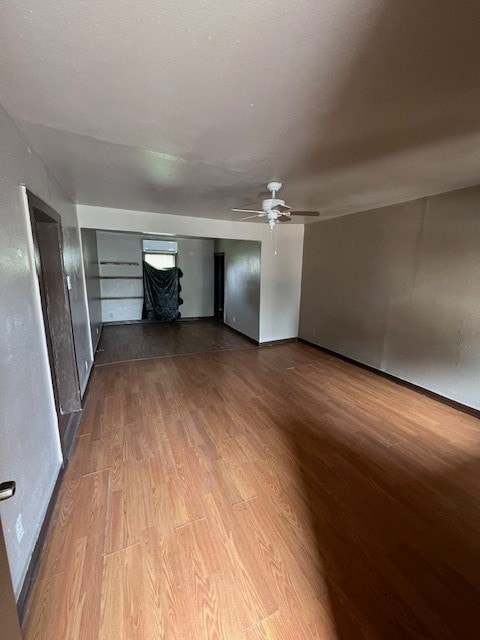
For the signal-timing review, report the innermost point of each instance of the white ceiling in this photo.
(190, 107)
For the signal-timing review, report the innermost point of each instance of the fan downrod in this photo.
(273, 187)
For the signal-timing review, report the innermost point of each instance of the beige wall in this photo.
(398, 288)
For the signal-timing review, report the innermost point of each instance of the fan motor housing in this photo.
(269, 203)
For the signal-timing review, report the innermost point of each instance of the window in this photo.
(160, 254)
(160, 260)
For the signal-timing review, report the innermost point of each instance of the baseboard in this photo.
(84, 387)
(404, 383)
(240, 333)
(273, 343)
(34, 564)
(196, 319)
(71, 432)
(87, 386)
(112, 323)
(267, 343)
(99, 335)
(33, 567)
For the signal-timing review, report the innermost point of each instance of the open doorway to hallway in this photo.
(118, 269)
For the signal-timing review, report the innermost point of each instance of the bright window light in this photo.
(160, 260)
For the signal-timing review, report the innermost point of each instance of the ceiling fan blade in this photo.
(257, 215)
(247, 210)
(284, 218)
(305, 213)
(281, 208)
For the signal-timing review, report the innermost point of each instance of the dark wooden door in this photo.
(219, 286)
(47, 234)
(9, 624)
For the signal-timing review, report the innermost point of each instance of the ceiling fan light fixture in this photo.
(275, 209)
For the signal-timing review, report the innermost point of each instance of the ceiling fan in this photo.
(275, 209)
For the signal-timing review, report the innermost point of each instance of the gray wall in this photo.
(398, 288)
(92, 282)
(242, 285)
(29, 442)
(195, 259)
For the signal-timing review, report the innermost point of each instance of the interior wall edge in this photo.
(398, 289)
(281, 273)
(87, 312)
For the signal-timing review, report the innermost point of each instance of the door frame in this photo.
(219, 288)
(67, 422)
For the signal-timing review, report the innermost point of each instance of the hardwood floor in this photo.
(263, 494)
(140, 341)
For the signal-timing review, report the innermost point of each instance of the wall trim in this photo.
(240, 333)
(193, 319)
(274, 343)
(257, 343)
(404, 383)
(34, 564)
(71, 432)
(87, 388)
(95, 347)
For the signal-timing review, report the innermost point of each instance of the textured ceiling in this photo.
(190, 107)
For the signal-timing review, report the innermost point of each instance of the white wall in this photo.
(195, 259)
(281, 273)
(29, 443)
(120, 247)
(242, 284)
(398, 289)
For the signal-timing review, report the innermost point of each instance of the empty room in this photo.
(240, 311)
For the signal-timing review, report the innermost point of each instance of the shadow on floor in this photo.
(395, 513)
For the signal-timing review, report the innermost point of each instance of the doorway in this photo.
(53, 284)
(219, 286)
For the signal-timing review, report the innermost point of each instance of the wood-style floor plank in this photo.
(263, 494)
(138, 341)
